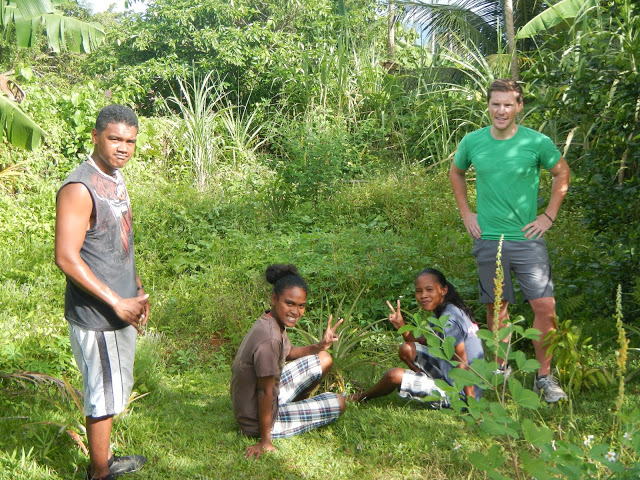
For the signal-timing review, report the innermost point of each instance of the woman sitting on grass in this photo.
(434, 294)
(270, 398)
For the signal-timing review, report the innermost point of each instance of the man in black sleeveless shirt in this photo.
(105, 303)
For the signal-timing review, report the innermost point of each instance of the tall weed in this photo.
(197, 139)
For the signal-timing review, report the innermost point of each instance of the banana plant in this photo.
(62, 32)
(27, 17)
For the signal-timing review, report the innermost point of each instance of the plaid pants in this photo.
(298, 417)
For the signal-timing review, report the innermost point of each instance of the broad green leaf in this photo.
(532, 334)
(536, 467)
(18, 128)
(480, 461)
(485, 335)
(554, 15)
(62, 32)
(448, 347)
(71, 33)
(531, 365)
(534, 435)
(498, 411)
(33, 8)
(520, 358)
(598, 450)
(465, 377)
(405, 328)
(492, 460)
(525, 364)
(523, 397)
(440, 322)
(505, 332)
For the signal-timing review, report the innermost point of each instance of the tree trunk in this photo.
(511, 39)
(391, 36)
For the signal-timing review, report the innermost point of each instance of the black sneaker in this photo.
(121, 465)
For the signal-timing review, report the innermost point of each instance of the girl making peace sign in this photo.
(434, 294)
(271, 379)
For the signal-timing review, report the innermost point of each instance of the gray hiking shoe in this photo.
(550, 388)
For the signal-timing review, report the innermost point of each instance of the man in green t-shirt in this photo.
(507, 158)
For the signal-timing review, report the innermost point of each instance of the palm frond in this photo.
(24, 378)
(474, 20)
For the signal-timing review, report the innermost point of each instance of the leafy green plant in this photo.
(575, 357)
(351, 350)
(241, 133)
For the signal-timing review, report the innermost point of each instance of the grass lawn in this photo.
(201, 258)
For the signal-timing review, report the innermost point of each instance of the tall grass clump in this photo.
(197, 141)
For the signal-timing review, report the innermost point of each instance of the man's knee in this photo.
(544, 311)
(326, 362)
(544, 305)
(503, 314)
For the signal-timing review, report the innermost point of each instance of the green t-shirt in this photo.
(507, 178)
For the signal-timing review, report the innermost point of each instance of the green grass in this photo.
(201, 257)
(186, 428)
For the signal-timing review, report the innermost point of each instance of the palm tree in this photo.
(455, 23)
(25, 19)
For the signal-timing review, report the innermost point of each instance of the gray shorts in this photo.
(527, 260)
(105, 360)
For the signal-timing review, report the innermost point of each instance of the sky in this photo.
(103, 5)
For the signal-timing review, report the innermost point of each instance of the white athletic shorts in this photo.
(105, 360)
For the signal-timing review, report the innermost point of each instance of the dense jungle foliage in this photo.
(287, 131)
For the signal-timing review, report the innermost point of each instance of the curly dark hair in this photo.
(115, 114)
(283, 276)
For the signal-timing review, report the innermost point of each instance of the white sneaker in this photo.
(550, 388)
(505, 370)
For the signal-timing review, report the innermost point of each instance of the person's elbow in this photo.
(63, 261)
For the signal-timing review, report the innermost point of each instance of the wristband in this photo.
(545, 214)
(141, 287)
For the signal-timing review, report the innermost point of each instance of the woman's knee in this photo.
(407, 352)
(326, 362)
(343, 403)
(394, 376)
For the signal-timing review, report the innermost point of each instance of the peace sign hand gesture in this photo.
(330, 334)
(395, 317)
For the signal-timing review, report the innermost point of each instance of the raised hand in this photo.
(330, 334)
(395, 317)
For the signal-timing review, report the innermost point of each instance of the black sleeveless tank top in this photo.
(107, 249)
